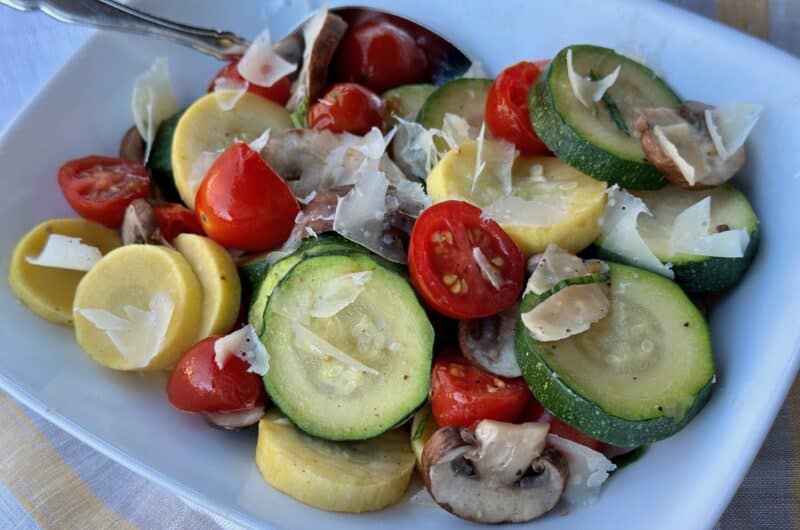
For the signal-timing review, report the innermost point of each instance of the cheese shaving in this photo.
(259, 143)
(228, 92)
(140, 336)
(588, 470)
(417, 147)
(730, 125)
(338, 293)
(456, 130)
(555, 265)
(260, 64)
(62, 252)
(690, 234)
(488, 271)
(678, 143)
(570, 311)
(619, 233)
(480, 163)
(308, 341)
(538, 211)
(152, 101)
(589, 92)
(200, 167)
(245, 344)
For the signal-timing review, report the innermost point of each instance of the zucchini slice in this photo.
(358, 372)
(637, 376)
(730, 210)
(404, 101)
(160, 162)
(599, 141)
(465, 97)
(274, 273)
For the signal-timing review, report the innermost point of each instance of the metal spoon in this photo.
(225, 45)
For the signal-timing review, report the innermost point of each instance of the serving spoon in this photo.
(224, 45)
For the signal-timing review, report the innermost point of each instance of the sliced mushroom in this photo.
(132, 146)
(235, 420)
(489, 342)
(139, 225)
(317, 56)
(500, 472)
(678, 143)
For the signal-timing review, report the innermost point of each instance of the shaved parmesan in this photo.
(538, 211)
(456, 130)
(589, 92)
(361, 213)
(152, 101)
(138, 337)
(200, 167)
(261, 65)
(228, 92)
(570, 311)
(338, 293)
(480, 164)
(690, 234)
(415, 147)
(488, 271)
(259, 143)
(62, 252)
(245, 344)
(310, 342)
(679, 143)
(475, 71)
(555, 264)
(588, 470)
(619, 233)
(730, 125)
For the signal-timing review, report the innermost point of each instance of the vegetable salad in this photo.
(393, 264)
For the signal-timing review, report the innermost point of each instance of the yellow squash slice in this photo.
(119, 305)
(222, 291)
(348, 477)
(49, 291)
(550, 202)
(206, 128)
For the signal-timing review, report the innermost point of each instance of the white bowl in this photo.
(683, 482)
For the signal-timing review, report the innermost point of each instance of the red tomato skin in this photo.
(462, 394)
(279, 92)
(243, 203)
(536, 412)
(347, 107)
(507, 114)
(99, 188)
(380, 55)
(174, 219)
(197, 384)
(481, 299)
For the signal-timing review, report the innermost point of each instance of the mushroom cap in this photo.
(132, 146)
(139, 226)
(497, 473)
(236, 420)
(489, 342)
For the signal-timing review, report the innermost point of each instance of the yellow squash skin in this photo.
(205, 127)
(584, 197)
(219, 279)
(348, 477)
(131, 275)
(47, 291)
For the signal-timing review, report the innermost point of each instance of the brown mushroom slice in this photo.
(570, 311)
(139, 224)
(321, 36)
(239, 419)
(679, 144)
(132, 146)
(489, 342)
(500, 472)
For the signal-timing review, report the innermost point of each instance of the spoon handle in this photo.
(110, 14)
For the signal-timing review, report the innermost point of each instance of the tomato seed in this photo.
(464, 286)
(499, 383)
(498, 261)
(491, 389)
(449, 279)
(455, 288)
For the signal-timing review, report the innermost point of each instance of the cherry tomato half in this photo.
(197, 384)
(536, 412)
(507, 114)
(347, 107)
(174, 219)
(279, 92)
(443, 267)
(100, 187)
(380, 55)
(462, 393)
(243, 203)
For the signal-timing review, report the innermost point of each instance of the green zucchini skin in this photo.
(251, 272)
(560, 136)
(465, 97)
(160, 162)
(588, 417)
(303, 408)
